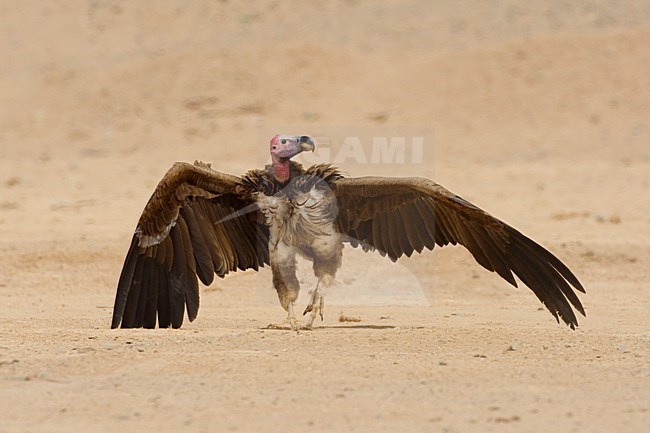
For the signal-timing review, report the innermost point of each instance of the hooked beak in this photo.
(306, 143)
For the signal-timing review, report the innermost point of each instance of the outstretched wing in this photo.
(192, 226)
(398, 216)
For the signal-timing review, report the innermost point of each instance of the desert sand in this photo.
(540, 114)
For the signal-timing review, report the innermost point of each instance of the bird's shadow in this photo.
(316, 328)
(355, 327)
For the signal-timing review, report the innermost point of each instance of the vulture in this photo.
(200, 222)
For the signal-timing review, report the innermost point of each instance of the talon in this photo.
(308, 309)
(276, 326)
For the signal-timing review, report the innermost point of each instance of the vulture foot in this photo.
(289, 323)
(316, 306)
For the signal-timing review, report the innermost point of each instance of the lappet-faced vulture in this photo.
(200, 222)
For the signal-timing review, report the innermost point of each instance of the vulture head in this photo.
(285, 147)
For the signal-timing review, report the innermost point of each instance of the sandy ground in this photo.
(539, 114)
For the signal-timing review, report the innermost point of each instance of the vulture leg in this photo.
(283, 267)
(327, 253)
(316, 305)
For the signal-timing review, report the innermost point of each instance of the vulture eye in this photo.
(283, 141)
(274, 147)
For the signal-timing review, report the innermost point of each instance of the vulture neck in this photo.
(281, 169)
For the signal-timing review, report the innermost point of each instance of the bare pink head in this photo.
(285, 147)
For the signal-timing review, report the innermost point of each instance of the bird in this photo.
(200, 222)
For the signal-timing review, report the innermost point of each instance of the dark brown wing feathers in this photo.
(397, 216)
(199, 245)
(181, 236)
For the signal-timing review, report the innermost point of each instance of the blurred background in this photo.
(98, 97)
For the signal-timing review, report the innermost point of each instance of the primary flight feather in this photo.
(200, 222)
